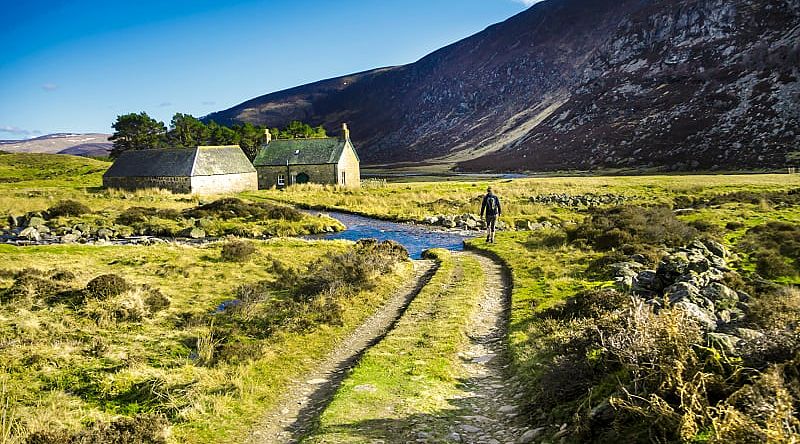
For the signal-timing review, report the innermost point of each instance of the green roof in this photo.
(184, 162)
(301, 152)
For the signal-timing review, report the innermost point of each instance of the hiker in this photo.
(491, 206)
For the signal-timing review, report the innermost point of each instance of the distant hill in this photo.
(87, 145)
(578, 84)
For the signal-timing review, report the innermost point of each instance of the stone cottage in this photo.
(202, 170)
(329, 160)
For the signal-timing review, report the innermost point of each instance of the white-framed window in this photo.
(281, 180)
(344, 178)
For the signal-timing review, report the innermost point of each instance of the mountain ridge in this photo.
(519, 95)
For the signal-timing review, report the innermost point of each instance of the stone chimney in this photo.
(268, 135)
(345, 132)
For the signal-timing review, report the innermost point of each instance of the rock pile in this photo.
(581, 200)
(692, 278)
(32, 229)
(465, 221)
(469, 221)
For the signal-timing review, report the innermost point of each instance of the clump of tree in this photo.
(138, 131)
(298, 130)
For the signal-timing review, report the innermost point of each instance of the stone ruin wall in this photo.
(178, 185)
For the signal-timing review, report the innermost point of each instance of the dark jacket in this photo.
(490, 210)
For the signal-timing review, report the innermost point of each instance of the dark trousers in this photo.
(491, 220)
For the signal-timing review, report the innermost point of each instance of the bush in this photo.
(775, 248)
(31, 286)
(137, 215)
(779, 310)
(611, 228)
(68, 208)
(353, 269)
(106, 286)
(231, 207)
(145, 429)
(237, 251)
(155, 300)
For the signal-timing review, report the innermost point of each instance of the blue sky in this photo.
(73, 66)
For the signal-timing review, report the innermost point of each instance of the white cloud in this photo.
(17, 131)
(49, 87)
(164, 104)
(528, 2)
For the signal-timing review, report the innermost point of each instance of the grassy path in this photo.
(306, 398)
(439, 375)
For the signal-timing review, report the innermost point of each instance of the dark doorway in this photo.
(302, 178)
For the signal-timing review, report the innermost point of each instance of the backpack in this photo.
(491, 205)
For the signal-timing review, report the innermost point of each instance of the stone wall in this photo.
(178, 185)
(224, 183)
(347, 170)
(268, 175)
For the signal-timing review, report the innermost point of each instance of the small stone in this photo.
(453, 437)
(470, 428)
(365, 388)
(317, 381)
(507, 409)
(531, 435)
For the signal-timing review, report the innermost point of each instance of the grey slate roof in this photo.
(200, 161)
(301, 152)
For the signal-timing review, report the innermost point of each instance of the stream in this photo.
(416, 238)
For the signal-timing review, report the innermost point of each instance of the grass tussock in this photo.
(774, 248)
(237, 251)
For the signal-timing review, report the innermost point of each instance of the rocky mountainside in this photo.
(89, 145)
(579, 84)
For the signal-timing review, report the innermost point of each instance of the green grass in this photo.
(414, 201)
(411, 376)
(59, 377)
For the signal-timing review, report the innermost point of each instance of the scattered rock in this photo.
(30, 233)
(530, 435)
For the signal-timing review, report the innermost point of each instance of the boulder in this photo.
(705, 318)
(724, 298)
(14, 220)
(70, 238)
(471, 224)
(35, 221)
(205, 222)
(717, 249)
(30, 233)
(671, 267)
(724, 342)
(748, 334)
(645, 282)
(105, 233)
(193, 232)
(682, 291)
(430, 220)
(43, 229)
(521, 224)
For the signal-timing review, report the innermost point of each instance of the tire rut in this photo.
(298, 413)
(490, 404)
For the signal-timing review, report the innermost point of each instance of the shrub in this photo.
(231, 207)
(155, 300)
(31, 286)
(593, 303)
(779, 310)
(145, 428)
(774, 246)
(354, 268)
(237, 251)
(734, 225)
(106, 286)
(134, 215)
(611, 228)
(68, 208)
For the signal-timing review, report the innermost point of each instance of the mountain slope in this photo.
(577, 84)
(90, 145)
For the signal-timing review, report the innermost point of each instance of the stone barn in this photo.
(201, 170)
(329, 160)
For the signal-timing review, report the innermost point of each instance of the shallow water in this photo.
(416, 238)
